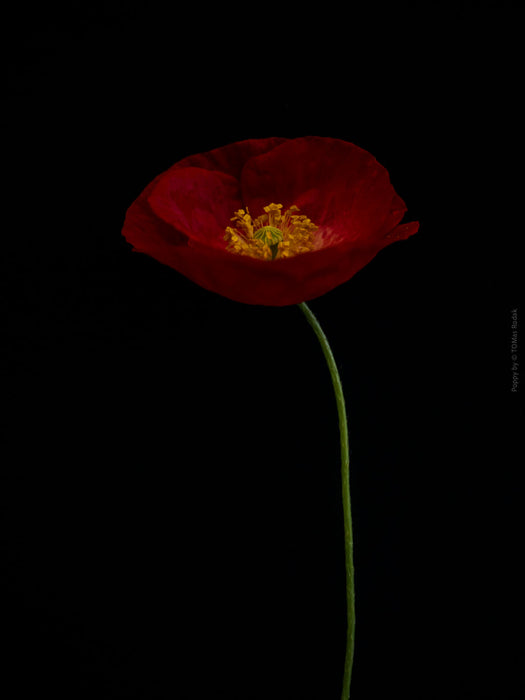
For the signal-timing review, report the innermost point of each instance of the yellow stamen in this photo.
(271, 235)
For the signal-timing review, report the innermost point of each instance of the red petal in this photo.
(145, 231)
(403, 231)
(337, 184)
(197, 202)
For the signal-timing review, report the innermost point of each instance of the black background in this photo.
(171, 499)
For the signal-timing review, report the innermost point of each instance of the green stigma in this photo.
(271, 236)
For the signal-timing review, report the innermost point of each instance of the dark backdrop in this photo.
(171, 504)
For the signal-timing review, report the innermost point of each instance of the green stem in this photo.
(347, 513)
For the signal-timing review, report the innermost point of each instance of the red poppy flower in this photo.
(271, 221)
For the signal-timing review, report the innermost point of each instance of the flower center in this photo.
(272, 234)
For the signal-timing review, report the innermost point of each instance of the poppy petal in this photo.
(403, 231)
(328, 179)
(145, 231)
(197, 202)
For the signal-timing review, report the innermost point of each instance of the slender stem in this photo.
(347, 513)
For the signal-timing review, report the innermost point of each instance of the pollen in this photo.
(271, 235)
